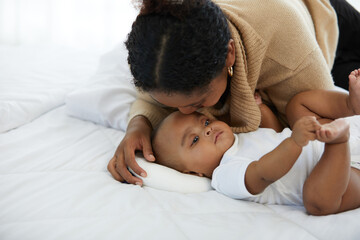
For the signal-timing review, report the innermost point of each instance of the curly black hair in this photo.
(177, 46)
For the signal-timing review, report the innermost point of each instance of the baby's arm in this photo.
(278, 162)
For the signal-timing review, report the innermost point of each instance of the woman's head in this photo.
(178, 46)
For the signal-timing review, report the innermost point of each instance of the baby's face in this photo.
(197, 141)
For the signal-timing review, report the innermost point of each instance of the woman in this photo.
(206, 56)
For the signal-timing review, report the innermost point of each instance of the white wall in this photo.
(85, 24)
(96, 25)
(355, 3)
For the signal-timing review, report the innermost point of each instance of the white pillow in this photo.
(106, 103)
(164, 178)
(108, 97)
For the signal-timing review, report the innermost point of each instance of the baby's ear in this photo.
(194, 173)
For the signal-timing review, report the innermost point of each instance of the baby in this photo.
(265, 166)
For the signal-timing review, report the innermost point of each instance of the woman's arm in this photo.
(278, 162)
(146, 106)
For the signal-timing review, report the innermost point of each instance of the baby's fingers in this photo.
(312, 124)
(310, 136)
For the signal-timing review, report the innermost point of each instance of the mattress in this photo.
(54, 182)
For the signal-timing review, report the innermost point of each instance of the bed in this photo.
(55, 144)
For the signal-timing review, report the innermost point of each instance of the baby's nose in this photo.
(208, 131)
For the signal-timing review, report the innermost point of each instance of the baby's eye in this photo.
(207, 122)
(195, 140)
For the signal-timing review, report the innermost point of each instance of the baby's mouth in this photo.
(217, 136)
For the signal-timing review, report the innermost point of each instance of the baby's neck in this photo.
(209, 175)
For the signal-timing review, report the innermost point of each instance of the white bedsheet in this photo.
(34, 80)
(54, 185)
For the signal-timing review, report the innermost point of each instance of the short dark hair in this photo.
(162, 154)
(177, 47)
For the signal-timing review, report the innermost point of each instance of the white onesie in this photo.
(229, 177)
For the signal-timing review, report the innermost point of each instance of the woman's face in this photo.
(189, 104)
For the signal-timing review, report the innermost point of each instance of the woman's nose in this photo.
(187, 110)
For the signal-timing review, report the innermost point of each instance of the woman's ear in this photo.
(230, 58)
(194, 173)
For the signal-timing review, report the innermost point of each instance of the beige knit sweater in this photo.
(282, 47)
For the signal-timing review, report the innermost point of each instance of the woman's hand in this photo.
(137, 137)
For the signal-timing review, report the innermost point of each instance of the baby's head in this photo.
(191, 143)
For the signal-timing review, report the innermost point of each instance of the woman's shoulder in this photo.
(285, 27)
(261, 7)
(271, 17)
(293, 16)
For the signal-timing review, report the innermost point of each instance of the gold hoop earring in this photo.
(230, 71)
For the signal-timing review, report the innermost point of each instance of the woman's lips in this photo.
(217, 136)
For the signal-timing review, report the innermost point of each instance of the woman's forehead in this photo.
(191, 116)
(177, 99)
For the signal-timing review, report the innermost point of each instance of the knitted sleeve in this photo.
(144, 105)
(312, 73)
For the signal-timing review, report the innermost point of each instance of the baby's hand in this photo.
(304, 130)
(257, 98)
